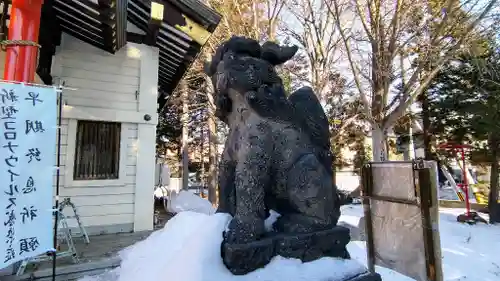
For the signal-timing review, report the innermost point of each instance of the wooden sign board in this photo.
(402, 216)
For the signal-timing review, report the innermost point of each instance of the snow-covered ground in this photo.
(188, 201)
(188, 249)
(470, 252)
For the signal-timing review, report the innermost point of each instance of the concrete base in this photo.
(71, 272)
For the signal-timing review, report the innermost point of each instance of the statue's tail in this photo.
(314, 122)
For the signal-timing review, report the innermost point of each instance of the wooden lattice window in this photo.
(97, 153)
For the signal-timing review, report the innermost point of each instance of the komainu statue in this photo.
(277, 157)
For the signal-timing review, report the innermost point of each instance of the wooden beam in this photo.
(136, 37)
(199, 12)
(101, 24)
(95, 42)
(192, 9)
(173, 17)
(169, 54)
(121, 23)
(93, 34)
(5, 16)
(47, 39)
(76, 18)
(108, 30)
(194, 30)
(167, 66)
(106, 3)
(137, 21)
(152, 34)
(182, 69)
(83, 13)
(182, 22)
(87, 3)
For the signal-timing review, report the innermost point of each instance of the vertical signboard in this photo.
(401, 215)
(28, 120)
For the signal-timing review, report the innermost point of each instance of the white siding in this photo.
(100, 205)
(107, 89)
(103, 80)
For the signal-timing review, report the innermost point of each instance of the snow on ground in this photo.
(357, 249)
(470, 252)
(188, 201)
(188, 249)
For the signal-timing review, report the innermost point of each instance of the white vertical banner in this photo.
(28, 120)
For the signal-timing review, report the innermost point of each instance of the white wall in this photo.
(118, 88)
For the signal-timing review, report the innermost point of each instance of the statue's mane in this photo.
(244, 65)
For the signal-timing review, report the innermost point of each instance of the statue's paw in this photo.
(243, 230)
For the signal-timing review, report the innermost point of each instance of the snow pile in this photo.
(357, 250)
(470, 252)
(188, 249)
(273, 217)
(477, 246)
(188, 201)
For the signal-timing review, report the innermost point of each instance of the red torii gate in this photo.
(460, 148)
(469, 217)
(22, 49)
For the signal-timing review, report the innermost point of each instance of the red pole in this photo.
(466, 183)
(21, 61)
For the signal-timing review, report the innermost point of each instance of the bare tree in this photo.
(378, 34)
(312, 27)
(274, 10)
(254, 19)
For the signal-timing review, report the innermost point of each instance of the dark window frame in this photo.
(97, 151)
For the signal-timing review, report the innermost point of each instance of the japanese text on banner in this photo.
(28, 117)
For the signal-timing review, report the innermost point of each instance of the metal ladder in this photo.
(64, 235)
(67, 203)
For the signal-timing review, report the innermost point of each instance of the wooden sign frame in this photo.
(419, 205)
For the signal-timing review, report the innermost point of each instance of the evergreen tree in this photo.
(464, 101)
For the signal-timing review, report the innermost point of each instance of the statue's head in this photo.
(246, 67)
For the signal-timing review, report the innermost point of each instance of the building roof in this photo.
(186, 26)
(178, 48)
(100, 23)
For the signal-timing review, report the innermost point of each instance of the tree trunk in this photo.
(212, 145)
(409, 148)
(426, 124)
(379, 144)
(202, 159)
(334, 176)
(184, 135)
(334, 171)
(493, 205)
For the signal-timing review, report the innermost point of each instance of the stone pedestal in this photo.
(244, 258)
